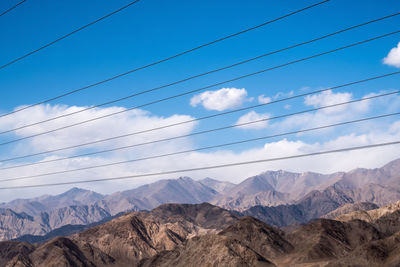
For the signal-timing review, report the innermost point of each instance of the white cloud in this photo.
(138, 120)
(328, 98)
(264, 99)
(393, 58)
(222, 99)
(251, 117)
(337, 114)
(124, 123)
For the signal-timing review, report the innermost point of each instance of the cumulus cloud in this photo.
(393, 58)
(337, 114)
(124, 123)
(222, 99)
(328, 98)
(138, 120)
(264, 99)
(253, 116)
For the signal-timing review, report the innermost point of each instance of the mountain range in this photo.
(278, 198)
(207, 235)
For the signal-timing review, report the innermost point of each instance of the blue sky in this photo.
(152, 30)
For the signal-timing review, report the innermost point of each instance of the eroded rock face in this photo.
(206, 235)
(350, 207)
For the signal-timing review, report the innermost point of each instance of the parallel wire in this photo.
(193, 120)
(205, 131)
(202, 148)
(61, 38)
(11, 8)
(200, 75)
(196, 90)
(156, 62)
(206, 167)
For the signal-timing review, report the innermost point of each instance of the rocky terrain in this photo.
(206, 235)
(277, 198)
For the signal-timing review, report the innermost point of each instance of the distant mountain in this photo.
(13, 224)
(313, 205)
(218, 186)
(206, 235)
(359, 185)
(40, 216)
(278, 198)
(35, 206)
(65, 230)
(147, 197)
(273, 188)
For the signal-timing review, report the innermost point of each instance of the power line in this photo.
(61, 38)
(202, 148)
(199, 89)
(200, 75)
(205, 131)
(207, 167)
(193, 120)
(154, 63)
(11, 8)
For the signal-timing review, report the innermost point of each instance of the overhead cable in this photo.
(145, 66)
(196, 90)
(205, 167)
(198, 75)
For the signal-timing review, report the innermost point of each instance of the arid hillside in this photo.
(206, 235)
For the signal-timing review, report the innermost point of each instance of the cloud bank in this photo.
(133, 121)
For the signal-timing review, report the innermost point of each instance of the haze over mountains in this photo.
(278, 198)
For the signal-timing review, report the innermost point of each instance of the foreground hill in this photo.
(206, 235)
(124, 240)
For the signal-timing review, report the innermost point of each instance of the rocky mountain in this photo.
(206, 235)
(313, 205)
(125, 240)
(219, 186)
(384, 218)
(147, 197)
(40, 216)
(273, 188)
(13, 225)
(35, 206)
(347, 208)
(357, 186)
(65, 230)
(247, 242)
(276, 197)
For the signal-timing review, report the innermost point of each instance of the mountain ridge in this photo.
(278, 198)
(207, 235)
